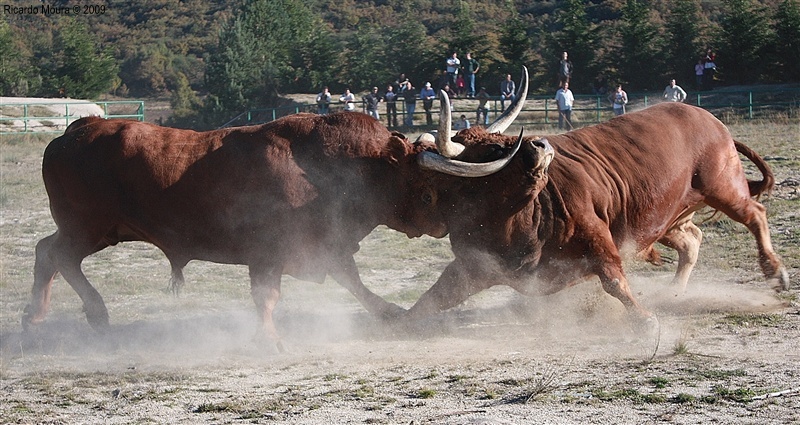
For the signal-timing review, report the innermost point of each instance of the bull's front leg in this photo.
(265, 287)
(346, 273)
(606, 262)
(460, 280)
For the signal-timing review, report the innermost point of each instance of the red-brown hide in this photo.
(294, 196)
(613, 188)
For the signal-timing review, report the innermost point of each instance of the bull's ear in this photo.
(396, 150)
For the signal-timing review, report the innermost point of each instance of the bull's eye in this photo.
(427, 199)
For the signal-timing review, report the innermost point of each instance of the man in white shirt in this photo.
(565, 99)
(674, 92)
(453, 65)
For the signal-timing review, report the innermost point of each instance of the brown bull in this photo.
(294, 196)
(568, 206)
(291, 197)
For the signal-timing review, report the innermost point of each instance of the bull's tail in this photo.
(757, 188)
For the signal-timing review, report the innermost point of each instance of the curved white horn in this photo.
(505, 120)
(446, 147)
(453, 167)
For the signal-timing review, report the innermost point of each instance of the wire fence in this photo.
(783, 103)
(55, 116)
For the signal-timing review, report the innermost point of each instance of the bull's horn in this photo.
(453, 167)
(505, 120)
(446, 147)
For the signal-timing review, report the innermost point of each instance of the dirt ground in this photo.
(726, 352)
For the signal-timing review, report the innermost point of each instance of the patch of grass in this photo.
(753, 320)
(739, 395)
(426, 393)
(659, 382)
(683, 398)
(680, 348)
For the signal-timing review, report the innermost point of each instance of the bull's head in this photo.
(452, 158)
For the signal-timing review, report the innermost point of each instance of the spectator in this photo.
(618, 99)
(453, 65)
(565, 99)
(461, 124)
(410, 99)
(349, 100)
(390, 98)
(471, 67)
(507, 91)
(323, 101)
(483, 98)
(564, 69)
(674, 92)
(442, 81)
(709, 69)
(371, 101)
(600, 85)
(699, 70)
(460, 85)
(427, 95)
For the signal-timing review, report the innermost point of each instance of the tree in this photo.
(745, 35)
(514, 45)
(259, 54)
(640, 59)
(410, 51)
(463, 37)
(787, 46)
(683, 36)
(17, 76)
(362, 64)
(575, 34)
(82, 69)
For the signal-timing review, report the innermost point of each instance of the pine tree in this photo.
(82, 69)
(746, 37)
(684, 35)
(641, 62)
(576, 35)
(787, 29)
(259, 54)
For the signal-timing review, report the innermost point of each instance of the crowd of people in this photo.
(458, 80)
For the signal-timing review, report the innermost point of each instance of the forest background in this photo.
(215, 59)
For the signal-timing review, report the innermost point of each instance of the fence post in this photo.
(750, 105)
(546, 114)
(598, 108)
(66, 113)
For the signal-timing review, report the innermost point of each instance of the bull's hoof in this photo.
(97, 318)
(646, 326)
(392, 312)
(781, 280)
(30, 318)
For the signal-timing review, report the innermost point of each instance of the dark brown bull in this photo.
(569, 206)
(294, 196)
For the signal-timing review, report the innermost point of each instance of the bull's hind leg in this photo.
(265, 287)
(44, 272)
(753, 215)
(57, 253)
(685, 238)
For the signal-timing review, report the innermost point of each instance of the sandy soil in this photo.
(726, 352)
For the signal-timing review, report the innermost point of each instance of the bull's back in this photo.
(638, 172)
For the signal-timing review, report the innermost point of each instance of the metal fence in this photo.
(588, 109)
(54, 117)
